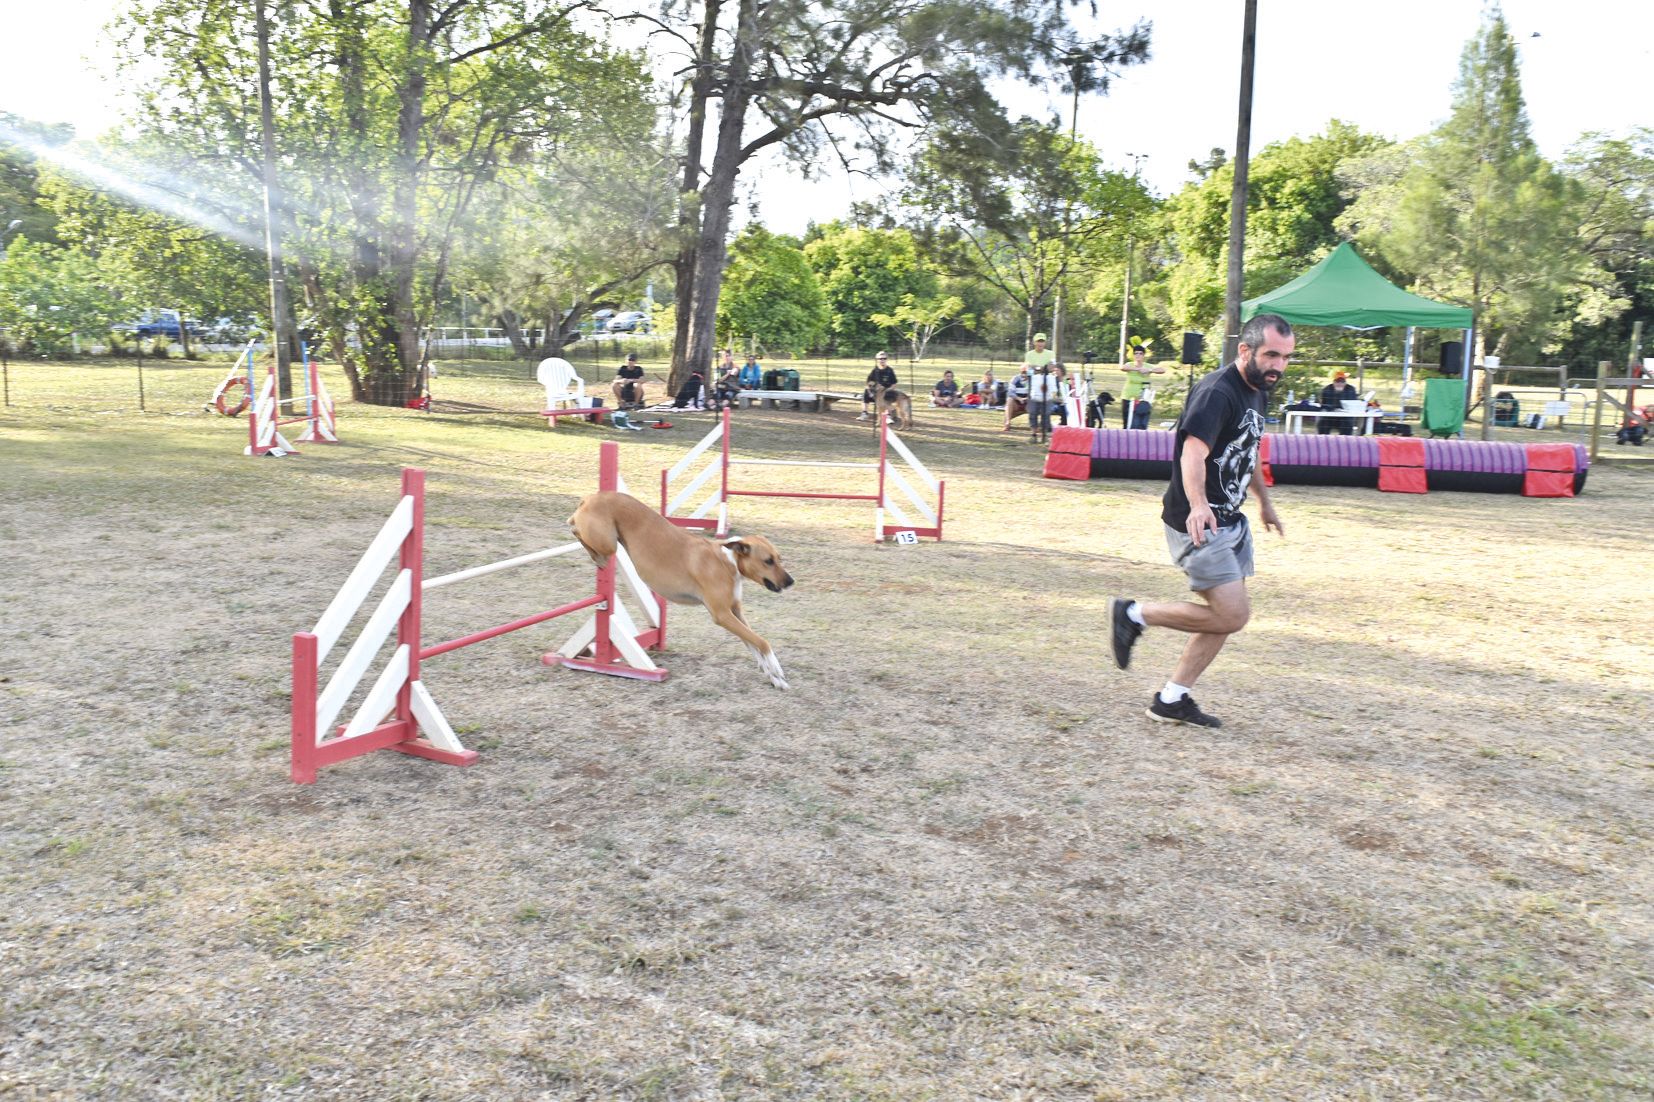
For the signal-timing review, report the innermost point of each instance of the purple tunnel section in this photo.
(1471, 465)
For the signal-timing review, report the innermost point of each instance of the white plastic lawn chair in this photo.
(564, 388)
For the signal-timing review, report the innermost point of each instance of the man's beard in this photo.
(1254, 375)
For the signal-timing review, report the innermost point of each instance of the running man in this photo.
(1206, 532)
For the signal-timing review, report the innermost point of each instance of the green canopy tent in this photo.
(1344, 290)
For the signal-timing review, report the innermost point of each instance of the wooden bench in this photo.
(816, 400)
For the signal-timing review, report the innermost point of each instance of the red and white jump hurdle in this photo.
(264, 422)
(713, 512)
(398, 713)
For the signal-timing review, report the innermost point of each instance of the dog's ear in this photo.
(738, 545)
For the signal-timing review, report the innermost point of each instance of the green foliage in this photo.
(864, 272)
(771, 294)
(20, 179)
(1294, 198)
(1024, 208)
(395, 121)
(919, 321)
(1477, 215)
(48, 293)
(152, 259)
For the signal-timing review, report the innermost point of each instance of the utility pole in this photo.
(280, 315)
(1059, 312)
(1237, 197)
(1131, 247)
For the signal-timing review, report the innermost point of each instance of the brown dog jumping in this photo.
(685, 569)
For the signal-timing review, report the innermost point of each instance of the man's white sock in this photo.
(1135, 615)
(1173, 692)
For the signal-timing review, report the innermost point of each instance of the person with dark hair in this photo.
(1135, 409)
(751, 378)
(880, 379)
(1206, 533)
(628, 384)
(945, 394)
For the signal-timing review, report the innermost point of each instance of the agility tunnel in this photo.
(1392, 463)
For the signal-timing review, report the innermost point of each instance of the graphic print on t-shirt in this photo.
(1234, 463)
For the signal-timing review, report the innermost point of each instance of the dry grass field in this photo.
(954, 862)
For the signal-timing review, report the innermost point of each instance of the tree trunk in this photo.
(689, 200)
(514, 333)
(711, 249)
(404, 230)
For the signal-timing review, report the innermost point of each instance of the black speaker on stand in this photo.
(1452, 358)
(1194, 349)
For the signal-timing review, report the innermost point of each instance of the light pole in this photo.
(1131, 245)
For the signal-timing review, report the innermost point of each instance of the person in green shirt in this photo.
(1016, 394)
(1134, 410)
(1039, 355)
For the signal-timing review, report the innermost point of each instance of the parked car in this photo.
(632, 321)
(233, 330)
(601, 319)
(161, 323)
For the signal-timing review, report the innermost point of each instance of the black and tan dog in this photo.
(900, 407)
(685, 568)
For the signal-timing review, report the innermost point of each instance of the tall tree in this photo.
(1479, 217)
(771, 295)
(865, 272)
(394, 114)
(551, 238)
(151, 259)
(1021, 206)
(838, 75)
(22, 215)
(1295, 194)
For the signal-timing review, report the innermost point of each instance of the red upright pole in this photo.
(304, 708)
(723, 489)
(413, 561)
(608, 480)
(884, 449)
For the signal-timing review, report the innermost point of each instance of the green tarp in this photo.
(1443, 413)
(1344, 290)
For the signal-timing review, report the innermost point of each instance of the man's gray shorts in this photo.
(1224, 556)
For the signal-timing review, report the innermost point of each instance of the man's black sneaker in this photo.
(1122, 630)
(1184, 711)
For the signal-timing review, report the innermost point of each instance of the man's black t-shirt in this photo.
(1227, 415)
(631, 371)
(881, 376)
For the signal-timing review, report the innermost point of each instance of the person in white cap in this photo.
(1016, 394)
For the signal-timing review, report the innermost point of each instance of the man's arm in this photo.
(1192, 469)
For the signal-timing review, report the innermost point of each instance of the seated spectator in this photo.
(945, 394)
(987, 391)
(1063, 394)
(1333, 397)
(751, 378)
(880, 379)
(728, 386)
(1016, 397)
(628, 384)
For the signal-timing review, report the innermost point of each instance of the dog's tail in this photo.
(595, 529)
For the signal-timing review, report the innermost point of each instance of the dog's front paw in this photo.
(771, 665)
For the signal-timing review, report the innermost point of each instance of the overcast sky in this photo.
(1586, 65)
